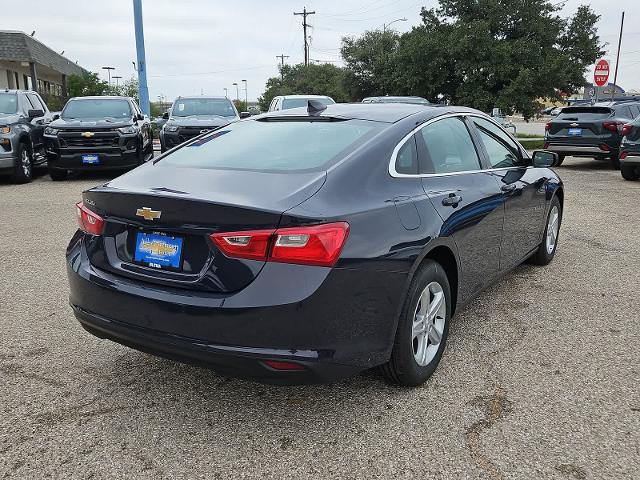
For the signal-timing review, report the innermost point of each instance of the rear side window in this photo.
(500, 148)
(625, 112)
(448, 147)
(274, 145)
(407, 158)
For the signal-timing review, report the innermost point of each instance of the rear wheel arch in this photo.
(560, 194)
(445, 256)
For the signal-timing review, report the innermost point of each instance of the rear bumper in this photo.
(243, 362)
(578, 150)
(632, 158)
(335, 322)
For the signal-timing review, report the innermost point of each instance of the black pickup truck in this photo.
(98, 133)
(23, 117)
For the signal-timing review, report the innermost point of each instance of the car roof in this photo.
(205, 97)
(377, 112)
(102, 97)
(304, 96)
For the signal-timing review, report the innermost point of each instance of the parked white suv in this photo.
(284, 102)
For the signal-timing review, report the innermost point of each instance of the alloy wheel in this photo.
(25, 162)
(428, 323)
(553, 224)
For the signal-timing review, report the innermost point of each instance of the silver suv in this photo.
(23, 117)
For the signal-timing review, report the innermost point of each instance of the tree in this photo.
(86, 84)
(128, 88)
(481, 53)
(241, 106)
(313, 79)
(369, 63)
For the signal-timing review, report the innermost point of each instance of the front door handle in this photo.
(509, 187)
(452, 200)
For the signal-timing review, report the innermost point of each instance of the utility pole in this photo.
(282, 57)
(142, 64)
(305, 14)
(237, 90)
(615, 75)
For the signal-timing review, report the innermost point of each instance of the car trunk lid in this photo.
(174, 205)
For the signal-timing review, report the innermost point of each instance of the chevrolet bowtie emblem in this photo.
(148, 214)
(88, 134)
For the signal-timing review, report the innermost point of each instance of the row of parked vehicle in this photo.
(604, 131)
(111, 133)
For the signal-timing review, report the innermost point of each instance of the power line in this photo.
(305, 14)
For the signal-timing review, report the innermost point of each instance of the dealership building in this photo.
(27, 63)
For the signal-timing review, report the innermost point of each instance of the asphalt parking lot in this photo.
(539, 380)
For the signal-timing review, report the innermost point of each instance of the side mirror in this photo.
(139, 116)
(56, 116)
(35, 114)
(165, 116)
(244, 114)
(544, 159)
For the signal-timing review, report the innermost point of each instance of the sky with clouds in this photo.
(203, 46)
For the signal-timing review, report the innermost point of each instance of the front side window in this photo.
(501, 150)
(448, 147)
(96, 109)
(278, 146)
(215, 107)
(35, 101)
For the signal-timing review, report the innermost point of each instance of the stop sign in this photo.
(601, 74)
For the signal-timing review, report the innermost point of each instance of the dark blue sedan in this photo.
(310, 244)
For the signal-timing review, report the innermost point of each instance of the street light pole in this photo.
(108, 69)
(225, 92)
(237, 90)
(384, 31)
(116, 78)
(245, 94)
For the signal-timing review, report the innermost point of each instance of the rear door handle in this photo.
(452, 200)
(509, 187)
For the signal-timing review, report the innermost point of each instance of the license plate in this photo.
(158, 251)
(575, 132)
(90, 159)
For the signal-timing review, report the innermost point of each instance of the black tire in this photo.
(23, 168)
(57, 174)
(403, 368)
(542, 256)
(560, 160)
(630, 172)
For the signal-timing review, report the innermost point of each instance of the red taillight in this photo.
(611, 126)
(626, 129)
(623, 155)
(316, 245)
(545, 146)
(88, 221)
(547, 126)
(280, 365)
(253, 245)
(604, 147)
(312, 245)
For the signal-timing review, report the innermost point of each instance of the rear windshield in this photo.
(186, 107)
(96, 108)
(585, 113)
(274, 145)
(8, 103)
(303, 102)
